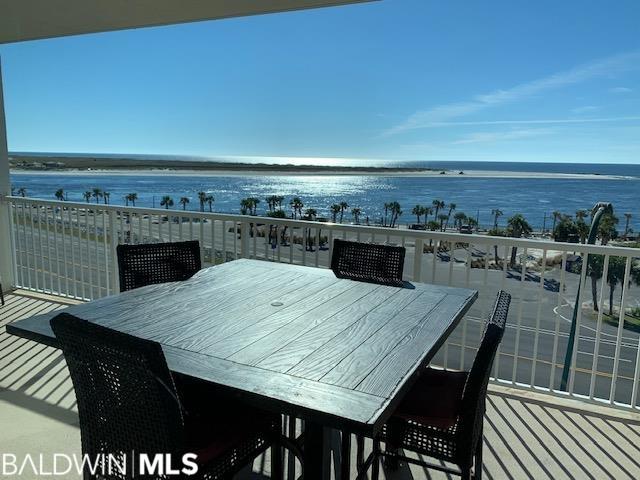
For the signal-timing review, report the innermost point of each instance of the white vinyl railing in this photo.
(69, 249)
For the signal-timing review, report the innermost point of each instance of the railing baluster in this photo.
(502, 287)
(417, 259)
(563, 269)
(81, 265)
(47, 243)
(516, 353)
(636, 378)
(56, 250)
(574, 357)
(290, 243)
(64, 254)
(33, 246)
(235, 239)
(451, 262)
(212, 256)
(107, 279)
(434, 244)
(224, 241)
(538, 315)
(19, 251)
(317, 247)
(596, 346)
(616, 358)
(41, 245)
(200, 237)
(304, 245)
(97, 250)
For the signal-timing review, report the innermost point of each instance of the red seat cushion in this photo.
(211, 436)
(215, 424)
(435, 399)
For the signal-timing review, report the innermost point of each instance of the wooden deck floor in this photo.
(527, 435)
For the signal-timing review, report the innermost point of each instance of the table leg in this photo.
(313, 451)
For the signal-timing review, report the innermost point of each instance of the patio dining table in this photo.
(291, 339)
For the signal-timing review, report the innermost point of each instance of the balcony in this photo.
(536, 427)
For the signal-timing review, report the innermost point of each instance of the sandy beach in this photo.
(76, 165)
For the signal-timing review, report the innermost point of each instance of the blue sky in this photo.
(398, 79)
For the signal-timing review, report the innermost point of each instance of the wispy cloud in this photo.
(620, 90)
(491, 137)
(550, 121)
(585, 109)
(444, 113)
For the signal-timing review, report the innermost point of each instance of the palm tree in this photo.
(387, 207)
(517, 227)
(335, 210)
(343, 207)
(496, 212)
(97, 193)
(272, 201)
(87, 196)
(472, 222)
(452, 207)
(355, 212)
(581, 214)
(438, 204)
(22, 192)
(297, 206)
(106, 196)
(202, 196)
(627, 230)
(396, 211)
(254, 205)
(556, 216)
(166, 202)
(427, 211)
(418, 211)
(278, 199)
(459, 218)
(607, 228)
(442, 217)
(132, 197)
(184, 201)
(310, 214)
(60, 194)
(583, 230)
(245, 206)
(209, 199)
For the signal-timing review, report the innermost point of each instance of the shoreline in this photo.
(123, 165)
(277, 170)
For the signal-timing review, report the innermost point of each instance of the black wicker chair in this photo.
(128, 401)
(1, 295)
(368, 262)
(151, 263)
(442, 415)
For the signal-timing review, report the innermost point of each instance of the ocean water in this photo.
(534, 198)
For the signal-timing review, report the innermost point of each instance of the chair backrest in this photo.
(475, 390)
(151, 263)
(127, 401)
(368, 262)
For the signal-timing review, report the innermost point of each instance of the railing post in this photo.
(6, 244)
(244, 239)
(113, 243)
(417, 260)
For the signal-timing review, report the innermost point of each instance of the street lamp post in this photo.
(597, 212)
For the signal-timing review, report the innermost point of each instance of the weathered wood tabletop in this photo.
(295, 339)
